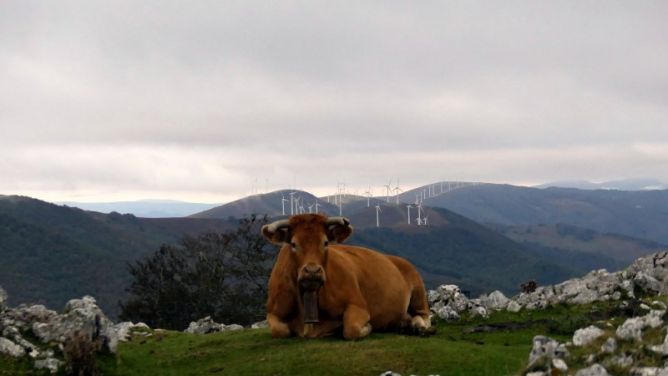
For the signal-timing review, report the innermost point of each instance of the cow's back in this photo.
(382, 283)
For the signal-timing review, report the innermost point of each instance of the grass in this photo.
(457, 349)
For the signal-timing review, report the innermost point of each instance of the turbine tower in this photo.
(283, 201)
(397, 190)
(388, 187)
(317, 204)
(408, 207)
(292, 202)
(368, 197)
(378, 215)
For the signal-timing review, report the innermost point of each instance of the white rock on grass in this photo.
(632, 328)
(585, 336)
(593, 370)
(8, 347)
(649, 371)
(495, 301)
(513, 306)
(260, 325)
(559, 364)
(662, 348)
(50, 364)
(609, 346)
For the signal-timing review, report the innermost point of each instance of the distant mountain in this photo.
(144, 208)
(273, 204)
(458, 250)
(612, 251)
(51, 253)
(642, 184)
(639, 214)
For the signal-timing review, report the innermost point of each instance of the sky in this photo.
(209, 101)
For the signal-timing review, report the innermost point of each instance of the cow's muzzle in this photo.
(311, 277)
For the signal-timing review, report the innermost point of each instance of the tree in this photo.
(222, 275)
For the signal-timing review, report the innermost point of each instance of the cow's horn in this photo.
(343, 221)
(274, 226)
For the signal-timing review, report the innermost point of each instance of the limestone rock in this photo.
(632, 328)
(446, 313)
(204, 326)
(593, 370)
(495, 301)
(609, 346)
(513, 306)
(3, 299)
(8, 347)
(543, 352)
(662, 348)
(260, 325)
(585, 336)
(50, 364)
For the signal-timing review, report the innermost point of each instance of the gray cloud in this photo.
(199, 100)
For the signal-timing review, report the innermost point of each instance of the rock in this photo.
(479, 311)
(390, 373)
(645, 307)
(649, 371)
(433, 296)
(495, 301)
(539, 373)
(544, 350)
(647, 283)
(632, 328)
(593, 370)
(560, 365)
(8, 347)
(662, 348)
(80, 315)
(585, 336)
(204, 326)
(233, 327)
(23, 316)
(50, 364)
(609, 346)
(446, 313)
(260, 325)
(513, 306)
(3, 299)
(659, 305)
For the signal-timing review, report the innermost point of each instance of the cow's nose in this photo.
(313, 270)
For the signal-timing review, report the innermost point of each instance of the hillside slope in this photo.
(639, 214)
(50, 253)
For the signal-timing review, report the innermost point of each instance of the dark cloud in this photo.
(310, 91)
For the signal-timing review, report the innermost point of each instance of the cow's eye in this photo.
(294, 246)
(326, 243)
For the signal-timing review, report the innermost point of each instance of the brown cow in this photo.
(353, 287)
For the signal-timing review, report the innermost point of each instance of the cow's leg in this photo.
(418, 309)
(321, 329)
(356, 322)
(279, 329)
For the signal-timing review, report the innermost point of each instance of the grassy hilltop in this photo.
(460, 348)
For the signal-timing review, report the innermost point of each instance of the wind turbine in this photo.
(425, 220)
(283, 201)
(292, 200)
(368, 197)
(409, 206)
(388, 186)
(419, 217)
(397, 190)
(310, 208)
(317, 204)
(378, 215)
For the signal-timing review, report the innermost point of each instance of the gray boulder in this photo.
(585, 336)
(495, 301)
(3, 299)
(260, 325)
(543, 352)
(593, 370)
(632, 328)
(8, 347)
(50, 364)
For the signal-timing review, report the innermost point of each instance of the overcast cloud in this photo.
(106, 100)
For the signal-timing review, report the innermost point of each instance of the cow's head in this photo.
(308, 236)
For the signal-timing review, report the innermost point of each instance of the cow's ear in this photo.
(338, 229)
(277, 232)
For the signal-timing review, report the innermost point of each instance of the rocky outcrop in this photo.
(3, 299)
(207, 325)
(647, 275)
(602, 351)
(48, 330)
